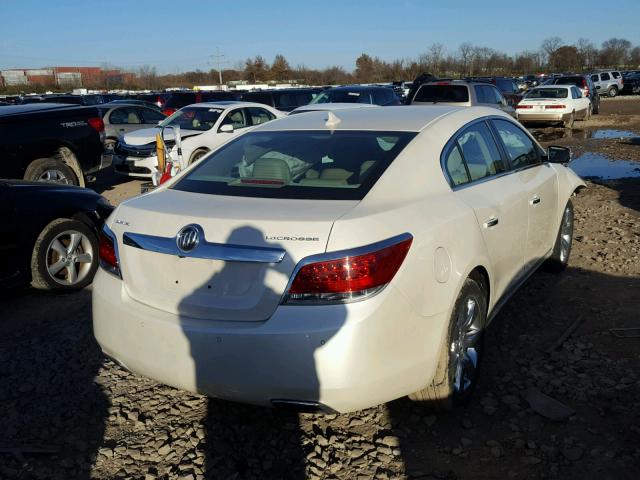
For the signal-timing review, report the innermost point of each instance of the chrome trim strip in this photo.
(205, 250)
(352, 252)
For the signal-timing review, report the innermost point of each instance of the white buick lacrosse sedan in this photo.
(333, 261)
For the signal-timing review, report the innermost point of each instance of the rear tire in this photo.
(65, 256)
(461, 352)
(559, 258)
(612, 92)
(569, 123)
(50, 170)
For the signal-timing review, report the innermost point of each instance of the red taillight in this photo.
(108, 255)
(348, 278)
(97, 124)
(160, 101)
(555, 106)
(168, 111)
(520, 105)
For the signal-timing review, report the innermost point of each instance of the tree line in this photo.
(553, 55)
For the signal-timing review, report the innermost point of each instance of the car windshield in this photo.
(193, 118)
(548, 93)
(342, 96)
(442, 93)
(323, 165)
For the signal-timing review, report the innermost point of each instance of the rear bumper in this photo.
(543, 117)
(346, 357)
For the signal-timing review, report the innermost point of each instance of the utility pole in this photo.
(218, 61)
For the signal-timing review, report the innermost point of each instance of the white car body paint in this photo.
(220, 328)
(192, 140)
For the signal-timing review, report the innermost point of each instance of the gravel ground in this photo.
(67, 412)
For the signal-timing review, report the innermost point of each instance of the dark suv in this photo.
(176, 100)
(584, 83)
(285, 99)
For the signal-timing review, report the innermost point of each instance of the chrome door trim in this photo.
(205, 250)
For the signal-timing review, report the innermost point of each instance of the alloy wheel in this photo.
(566, 234)
(465, 346)
(54, 176)
(69, 258)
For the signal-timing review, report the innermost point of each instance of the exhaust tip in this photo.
(300, 406)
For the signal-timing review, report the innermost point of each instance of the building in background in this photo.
(65, 77)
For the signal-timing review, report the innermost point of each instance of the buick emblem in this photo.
(188, 238)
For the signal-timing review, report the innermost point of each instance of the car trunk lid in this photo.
(242, 279)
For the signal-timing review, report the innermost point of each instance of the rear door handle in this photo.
(535, 200)
(492, 222)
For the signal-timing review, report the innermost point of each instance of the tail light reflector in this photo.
(351, 275)
(97, 124)
(520, 105)
(555, 106)
(168, 111)
(108, 252)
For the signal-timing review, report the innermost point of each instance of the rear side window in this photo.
(442, 93)
(456, 168)
(520, 148)
(150, 116)
(480, 152)
(323, 165)
(259, 115)
(615, 74)
(125, 116)
(605, 76)
(594, 78)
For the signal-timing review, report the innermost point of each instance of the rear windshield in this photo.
(578, 81)
(343, 96)
(322, 165)
(442, 93)
(194, 118)
(548, 93)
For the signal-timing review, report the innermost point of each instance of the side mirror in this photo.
(557, 154)
(227, 128)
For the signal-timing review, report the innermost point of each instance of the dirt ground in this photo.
(68, 412)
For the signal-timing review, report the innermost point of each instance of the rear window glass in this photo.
(323, 165)
(258, 97)
(442, 93)
(578, 81)
(615, 74)
(343, 96)
(548, 93)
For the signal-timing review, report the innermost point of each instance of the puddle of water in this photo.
(592, 165)
(613, 134)
(549, 135)
(559, 133)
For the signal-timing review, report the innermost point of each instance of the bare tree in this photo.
(587, 53)
(548, 47)
(465, 52)
(615, 51)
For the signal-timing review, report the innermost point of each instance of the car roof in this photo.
(389, 119)
(354, 88)
(32, 107)
(554, 86)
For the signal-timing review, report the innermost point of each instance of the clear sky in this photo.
(182, 35)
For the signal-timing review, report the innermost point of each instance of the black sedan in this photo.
(49, 234)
